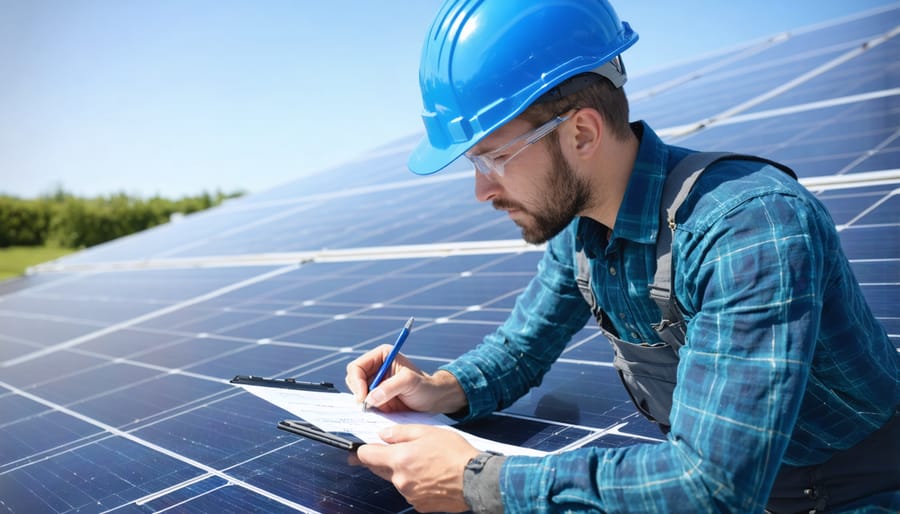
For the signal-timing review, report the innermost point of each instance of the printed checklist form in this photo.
(335, 412)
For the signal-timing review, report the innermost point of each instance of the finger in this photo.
(374, 457)
(384, 472)
(356, 385)
(362, 368)
(390, 388)
(381, 471)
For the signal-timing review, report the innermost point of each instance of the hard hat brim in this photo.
(426, 160)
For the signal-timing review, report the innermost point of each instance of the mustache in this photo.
(502, 204)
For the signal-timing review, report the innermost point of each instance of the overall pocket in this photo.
(649, 373)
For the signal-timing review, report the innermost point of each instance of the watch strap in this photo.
(481, 483)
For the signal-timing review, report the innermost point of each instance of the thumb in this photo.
(403, 433)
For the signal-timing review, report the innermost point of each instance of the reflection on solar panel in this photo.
(116, 360)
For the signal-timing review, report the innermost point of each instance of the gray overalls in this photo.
(648, 372)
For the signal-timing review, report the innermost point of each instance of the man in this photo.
(785, 386)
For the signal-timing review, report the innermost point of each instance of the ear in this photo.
(587, 130)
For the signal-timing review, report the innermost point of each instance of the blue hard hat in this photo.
(486, 61)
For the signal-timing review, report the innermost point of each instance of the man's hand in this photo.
(424, 463)
(405, 387)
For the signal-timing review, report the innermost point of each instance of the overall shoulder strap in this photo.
(677, 186)
(583, 280)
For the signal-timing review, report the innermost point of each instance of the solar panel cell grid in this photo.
(831, 140)
(871, 242)
(210, 495)
(850, 205)
(162, 239)
(30, 332)
(874, 70)
(122, 472)
(39, 433)
(724, 89)
(884, 213)
(671, 75)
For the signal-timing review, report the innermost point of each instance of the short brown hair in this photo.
(595, 91)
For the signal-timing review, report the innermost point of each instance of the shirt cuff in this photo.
(475, 386)
(481, 483)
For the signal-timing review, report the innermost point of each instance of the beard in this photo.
(564, 196)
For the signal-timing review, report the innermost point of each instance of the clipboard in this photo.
(299, 427)
(310, 431)
(285, 383)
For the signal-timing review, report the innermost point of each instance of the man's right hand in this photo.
(405, 386)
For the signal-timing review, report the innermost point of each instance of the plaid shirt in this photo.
(784, 361)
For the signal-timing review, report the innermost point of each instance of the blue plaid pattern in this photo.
(784, 361)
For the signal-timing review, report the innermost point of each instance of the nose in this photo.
(486, 187)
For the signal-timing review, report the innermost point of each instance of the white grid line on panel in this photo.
(715, 119)
(869, 209)
(884, 144)
(155, 314)
(794, 109)
(155, 447)
(749, 51)
(762, 40)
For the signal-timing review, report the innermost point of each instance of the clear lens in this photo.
(490, 162)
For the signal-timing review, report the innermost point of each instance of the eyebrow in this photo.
(472, 151)
(490, 148)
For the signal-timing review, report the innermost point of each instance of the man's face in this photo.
(539, 190)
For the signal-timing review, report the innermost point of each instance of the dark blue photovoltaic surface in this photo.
(212, 495)
(874, 70)
(114, 368)
(829, 141)
(758, 72)
(65, 482)
(715, 93)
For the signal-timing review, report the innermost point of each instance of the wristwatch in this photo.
(481, 483)
(476, 463)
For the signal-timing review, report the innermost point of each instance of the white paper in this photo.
(339, 412)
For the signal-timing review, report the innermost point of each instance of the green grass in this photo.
(15, 259)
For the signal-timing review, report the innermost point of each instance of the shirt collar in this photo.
(638, 216)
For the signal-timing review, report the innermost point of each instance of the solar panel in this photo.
(116, 360)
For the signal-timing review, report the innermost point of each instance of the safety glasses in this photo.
(495, 161)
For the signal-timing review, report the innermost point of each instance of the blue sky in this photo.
(175, 97)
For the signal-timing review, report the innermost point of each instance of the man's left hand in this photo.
(424, 463)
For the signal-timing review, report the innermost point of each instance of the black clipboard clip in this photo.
(298, 427)
(311, 431)
(284, 383)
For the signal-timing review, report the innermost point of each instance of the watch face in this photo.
(477, 462)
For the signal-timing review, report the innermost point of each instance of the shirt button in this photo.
(612, 270)
(621, 315)
(635, 335)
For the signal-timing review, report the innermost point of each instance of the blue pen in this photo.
(404, 333)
